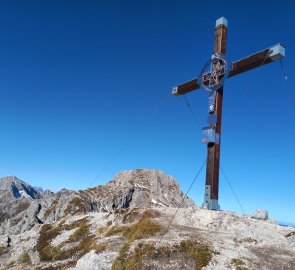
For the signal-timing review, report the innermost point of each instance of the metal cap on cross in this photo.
(211, 79)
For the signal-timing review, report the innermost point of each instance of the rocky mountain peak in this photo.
(13, 188)
(150, 187)
(134, 188)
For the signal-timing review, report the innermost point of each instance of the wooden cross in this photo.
(213, 148)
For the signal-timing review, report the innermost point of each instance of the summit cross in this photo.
(212, 81)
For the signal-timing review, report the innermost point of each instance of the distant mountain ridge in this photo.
(24, 206)
(290, 224)
(12, 188)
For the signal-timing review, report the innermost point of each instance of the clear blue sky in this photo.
(81, 80)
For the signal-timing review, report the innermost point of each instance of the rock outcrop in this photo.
(20, 205)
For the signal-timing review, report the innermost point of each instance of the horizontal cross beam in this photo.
(253, 61)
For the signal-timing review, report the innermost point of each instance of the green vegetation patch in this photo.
(193, 250)
(239, 264)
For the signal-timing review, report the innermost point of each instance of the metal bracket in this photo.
(209, 135)
(211, 101)
(210, 204)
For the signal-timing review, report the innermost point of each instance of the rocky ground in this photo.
(124, 225)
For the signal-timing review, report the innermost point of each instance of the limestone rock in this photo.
(93, 261)
(261, 214)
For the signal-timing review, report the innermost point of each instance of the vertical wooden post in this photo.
(213, 150)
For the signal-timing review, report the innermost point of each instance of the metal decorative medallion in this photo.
(214, 73)
(212, 77)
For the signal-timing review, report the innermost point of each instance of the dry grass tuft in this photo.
(197, 252)
(80, 242)
(239, 264)
(51, 209)
(247, 240)
(115, 230)
(193, 250)
(3, 250)
(47, 234)
(250, 240)
(145, 227)
(100, 247)
(131, 216)
(76, 206)
(64, 266)
(151, 213)
(26, 259)
(101, 230)
(136, 215)
(80, 233)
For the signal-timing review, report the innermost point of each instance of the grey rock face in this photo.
(136, 188)
(149, 187)
(93, 261)
(20, 205)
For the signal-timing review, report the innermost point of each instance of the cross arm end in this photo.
(186, 87)
(277, 52)
(175, 91)
(264, 57)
